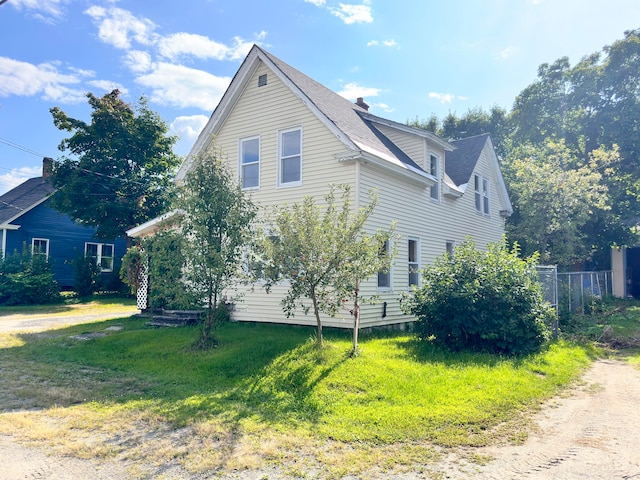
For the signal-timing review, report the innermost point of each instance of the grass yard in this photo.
(267, 396)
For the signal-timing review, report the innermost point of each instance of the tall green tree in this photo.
(118, 168)
(217, 228)
(325, 253)
(555, 201)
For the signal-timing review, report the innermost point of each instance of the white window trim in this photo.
(417, 263)
(479, 182)
(279, 172)
(99, 255)
(437, 175)
(389, 273)
(46, 252)
(240, 164)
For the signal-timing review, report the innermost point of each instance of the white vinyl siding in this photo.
(249, 162)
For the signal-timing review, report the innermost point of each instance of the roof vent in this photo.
(262, 80)
(360, 102)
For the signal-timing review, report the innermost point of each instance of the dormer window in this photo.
(434, 169)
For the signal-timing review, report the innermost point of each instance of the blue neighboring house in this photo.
(27, 218)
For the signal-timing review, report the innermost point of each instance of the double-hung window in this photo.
(250, 162)
(435, 171)
(290, 157)
(413, 260)
(40, 246)
(481, 186)
(384, 276)
(102, 255)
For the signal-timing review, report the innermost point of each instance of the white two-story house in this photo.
(286, 136)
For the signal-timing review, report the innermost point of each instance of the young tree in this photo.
(217, 227)
(324, 256)
(120, 168)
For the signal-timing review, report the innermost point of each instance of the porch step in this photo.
(175, 318)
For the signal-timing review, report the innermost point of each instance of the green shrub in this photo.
(27, 279)
(85, 281)
(483, 301)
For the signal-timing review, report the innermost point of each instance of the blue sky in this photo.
(407, 58)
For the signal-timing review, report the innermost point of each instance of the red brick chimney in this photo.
(360, 102)
(47, 167)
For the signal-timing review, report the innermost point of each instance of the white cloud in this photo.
(45, 10)
(16, 176)
(446, 97)
(352, 91)
(317, 3)
(118, 27)
(385, 43)
(384, 106)
(350, 14)
(199, 46)
(508, 52)
(25, 80)
(138, 61)
(189, 127)
(108, 86)
(181, 86)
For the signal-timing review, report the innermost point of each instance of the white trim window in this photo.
(290, 157)
(102, 255)
(40, 246)
(384, 276)
(249, 167)
(450, 247)
(482, 194)
(434, 169)
(413, 260)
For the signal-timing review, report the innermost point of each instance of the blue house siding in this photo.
(66, 240)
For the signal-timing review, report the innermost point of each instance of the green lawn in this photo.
(271, 386)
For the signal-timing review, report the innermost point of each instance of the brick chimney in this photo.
(360, 102)
(47, 167)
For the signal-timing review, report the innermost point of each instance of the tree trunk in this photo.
(356, 319)
(317, 313)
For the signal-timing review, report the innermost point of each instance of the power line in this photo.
(20, 147)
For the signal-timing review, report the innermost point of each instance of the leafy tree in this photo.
(324, 256)
(483, 301)
(554, 201)
(119, 171)
(216, 229)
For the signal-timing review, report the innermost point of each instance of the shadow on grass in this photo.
(262, 372)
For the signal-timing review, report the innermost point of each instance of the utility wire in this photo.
(20, 147)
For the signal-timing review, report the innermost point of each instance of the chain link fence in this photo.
(573, 291)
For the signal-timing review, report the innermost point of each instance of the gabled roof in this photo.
(460, 163)
(24, 197)
(351, 124)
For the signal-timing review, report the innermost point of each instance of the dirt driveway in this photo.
(592, 432)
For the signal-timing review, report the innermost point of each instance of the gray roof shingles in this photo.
(459, 164)
(23, 197)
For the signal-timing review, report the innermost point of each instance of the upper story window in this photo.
(413, 261)
(40, 246)
(290, 157)
(384, 276)
(434, 169)
(102, 255)
(481, 186)
(250, 162)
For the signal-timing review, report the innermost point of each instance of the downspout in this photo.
(4, 241)
(357, 199)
